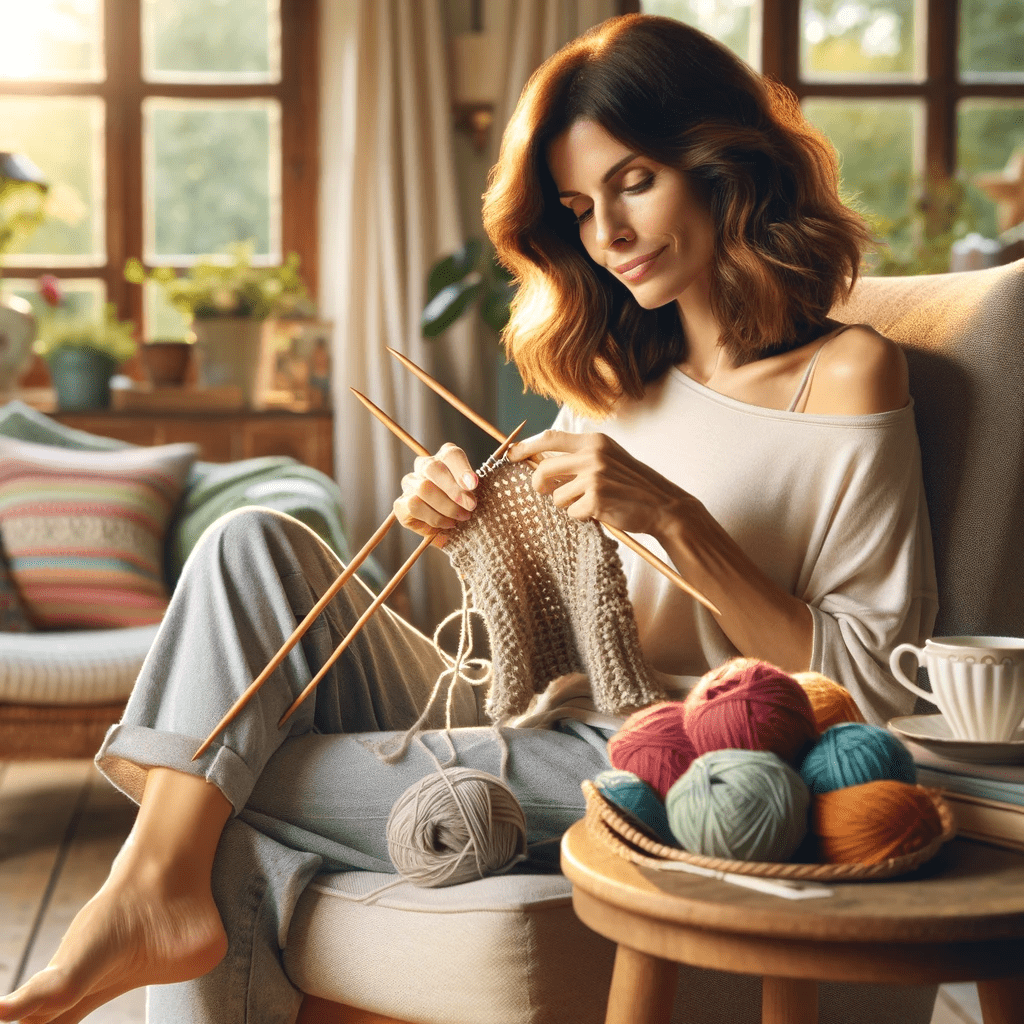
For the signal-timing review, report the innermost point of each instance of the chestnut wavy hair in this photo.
(786, 248)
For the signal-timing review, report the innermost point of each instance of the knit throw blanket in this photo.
(552, 592)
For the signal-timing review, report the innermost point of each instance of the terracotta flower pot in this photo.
(166, 362)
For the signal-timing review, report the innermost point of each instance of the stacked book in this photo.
(987, 799)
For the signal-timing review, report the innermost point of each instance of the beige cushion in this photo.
(93, 666)
(503, 950)
(964, 339)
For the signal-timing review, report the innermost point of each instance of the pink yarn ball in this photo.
(748, 704)
(653, 745)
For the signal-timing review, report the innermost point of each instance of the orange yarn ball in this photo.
(872, 822)
(830, 702)
(653, 744)
(747, 704)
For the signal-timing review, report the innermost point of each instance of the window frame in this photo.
(123, 91)
(941, 89)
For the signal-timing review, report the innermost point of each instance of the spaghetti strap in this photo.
(806, 379)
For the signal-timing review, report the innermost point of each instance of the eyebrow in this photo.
(608, 175)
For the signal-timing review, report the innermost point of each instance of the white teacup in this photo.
(977, 683)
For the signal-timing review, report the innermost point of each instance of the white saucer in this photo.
(932, 732)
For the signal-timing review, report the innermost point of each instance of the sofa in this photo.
(61, 689)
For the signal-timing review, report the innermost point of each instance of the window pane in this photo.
(162, 321)
(992, 39)
(82, 297)
(51, 40)
(842, 40)
(213, 176)
(880, 146)
(737, 23)
(64, 136)
(211, 41)
(988, 131)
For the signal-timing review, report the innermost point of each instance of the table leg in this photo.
(789, 1001)
(1002, 1001)
(643, 988)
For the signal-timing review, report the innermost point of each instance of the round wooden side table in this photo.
(960, 917)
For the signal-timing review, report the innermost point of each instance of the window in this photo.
(167, 129)
(907, 90)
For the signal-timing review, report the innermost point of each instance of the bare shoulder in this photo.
(859, 372)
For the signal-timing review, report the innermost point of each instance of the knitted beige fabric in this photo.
(552, 592)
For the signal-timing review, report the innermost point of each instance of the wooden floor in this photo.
(61, 824)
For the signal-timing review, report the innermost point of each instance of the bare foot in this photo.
(140, 929)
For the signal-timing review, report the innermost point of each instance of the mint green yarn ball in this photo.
(739, 805)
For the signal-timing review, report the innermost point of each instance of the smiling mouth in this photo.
(640, 261)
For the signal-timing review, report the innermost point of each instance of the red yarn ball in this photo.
(653, 744)
(750, 705)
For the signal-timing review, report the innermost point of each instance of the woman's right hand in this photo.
(437, 493)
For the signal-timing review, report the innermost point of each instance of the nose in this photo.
(609, 225)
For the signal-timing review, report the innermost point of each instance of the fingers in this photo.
(437, 494)
(547, 441)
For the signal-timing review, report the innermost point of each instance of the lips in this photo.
(639, 261)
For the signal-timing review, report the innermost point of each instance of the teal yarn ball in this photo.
(638, 802)
(852, 753)
(740, 805)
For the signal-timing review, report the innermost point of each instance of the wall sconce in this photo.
(476, 83)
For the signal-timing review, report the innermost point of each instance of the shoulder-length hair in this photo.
(786, 248)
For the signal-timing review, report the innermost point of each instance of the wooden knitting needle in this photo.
(300, 630)
(666, 570)
(394, 581)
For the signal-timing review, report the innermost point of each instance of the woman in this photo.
(678, 240)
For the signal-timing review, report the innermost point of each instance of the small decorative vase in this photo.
(81, 378)
(17, 332)
(229, 351)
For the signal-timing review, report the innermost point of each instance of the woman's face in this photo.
(638, 218)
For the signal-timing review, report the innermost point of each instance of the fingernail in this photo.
(462, 516)
(469, 479)
(469, 501)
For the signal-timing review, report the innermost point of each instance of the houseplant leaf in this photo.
(454, 268)
(449, 304)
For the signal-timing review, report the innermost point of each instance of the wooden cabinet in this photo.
(221, 436)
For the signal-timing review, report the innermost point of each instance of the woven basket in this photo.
(604, 821)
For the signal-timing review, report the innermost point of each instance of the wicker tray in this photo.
(604, 821)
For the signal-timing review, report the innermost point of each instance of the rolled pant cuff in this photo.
(129, 751)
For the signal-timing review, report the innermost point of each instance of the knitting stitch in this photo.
(552, 592)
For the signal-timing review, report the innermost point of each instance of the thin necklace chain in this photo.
(714, 369)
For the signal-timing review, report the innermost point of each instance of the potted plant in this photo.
(226, 301)
(82, 354)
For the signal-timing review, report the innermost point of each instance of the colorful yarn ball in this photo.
(853, 753)
(750, 705)
(739, 804)
(830, 702)
(873, 822)
(653, 744)
(637, 801)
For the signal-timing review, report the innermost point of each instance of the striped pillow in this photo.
(84, 531)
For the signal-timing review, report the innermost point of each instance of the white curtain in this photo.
(389, 210)
(389, 207)
(535, 29)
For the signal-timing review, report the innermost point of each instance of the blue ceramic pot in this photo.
(81, 378)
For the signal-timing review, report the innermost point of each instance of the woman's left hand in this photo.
(593, 477)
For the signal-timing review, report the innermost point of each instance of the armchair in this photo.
(510, 950)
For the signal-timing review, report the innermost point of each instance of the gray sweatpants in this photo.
(310, 796)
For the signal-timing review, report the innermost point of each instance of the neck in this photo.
(703, 352)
